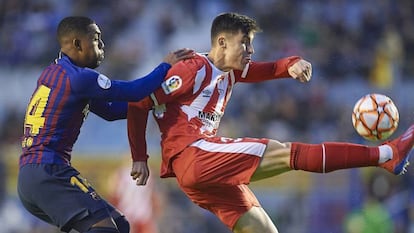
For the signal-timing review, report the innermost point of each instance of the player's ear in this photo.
(221, 42)
(77, 44)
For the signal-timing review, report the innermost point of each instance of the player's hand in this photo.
(301, 70)
(140, 172)
(176, 56)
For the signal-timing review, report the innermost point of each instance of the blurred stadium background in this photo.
(356, 47)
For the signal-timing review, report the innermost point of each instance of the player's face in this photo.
(239, 49)
(92, 52)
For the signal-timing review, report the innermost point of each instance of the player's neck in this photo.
(218, 61)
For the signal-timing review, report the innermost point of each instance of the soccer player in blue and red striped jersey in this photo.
(67, 90)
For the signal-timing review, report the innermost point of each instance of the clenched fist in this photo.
(301, 70)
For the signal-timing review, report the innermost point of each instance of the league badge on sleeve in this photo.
(104, 82)
(172, 84)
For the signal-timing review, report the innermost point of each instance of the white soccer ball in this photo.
(375, 117)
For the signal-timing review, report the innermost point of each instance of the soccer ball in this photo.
(375, 117)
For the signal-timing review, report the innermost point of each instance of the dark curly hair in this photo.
(73, 25)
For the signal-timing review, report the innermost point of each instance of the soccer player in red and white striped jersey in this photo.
(214, 171)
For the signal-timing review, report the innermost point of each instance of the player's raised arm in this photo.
(93, 85)
(151, 82)
(293, 66)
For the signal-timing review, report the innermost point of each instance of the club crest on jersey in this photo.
(104, 82)
(172, 84)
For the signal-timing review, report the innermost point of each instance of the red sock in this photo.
(331, 156)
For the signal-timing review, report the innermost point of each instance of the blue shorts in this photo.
(58, 195)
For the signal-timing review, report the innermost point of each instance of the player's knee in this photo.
(254, 220)
(122, 224)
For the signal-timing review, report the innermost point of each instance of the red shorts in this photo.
(214, 173)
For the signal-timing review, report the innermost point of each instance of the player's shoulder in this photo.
(82, 79)
(74, 71)
(83, 73)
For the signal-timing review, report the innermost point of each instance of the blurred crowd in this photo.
(356, 47)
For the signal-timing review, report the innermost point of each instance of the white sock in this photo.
(385, 153)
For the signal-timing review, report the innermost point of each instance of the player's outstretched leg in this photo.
(401, 147)
(393, 156)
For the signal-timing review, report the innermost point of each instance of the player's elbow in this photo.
(113, 116)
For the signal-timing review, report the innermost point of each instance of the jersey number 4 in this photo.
(34, 115)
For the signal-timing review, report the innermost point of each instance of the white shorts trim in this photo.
(251, 148)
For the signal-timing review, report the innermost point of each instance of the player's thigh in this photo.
(255, 220)
(60, 196)
(275, 160)
(219, 161)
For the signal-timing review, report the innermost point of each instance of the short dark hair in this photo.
(73, 24)
(233, 22)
